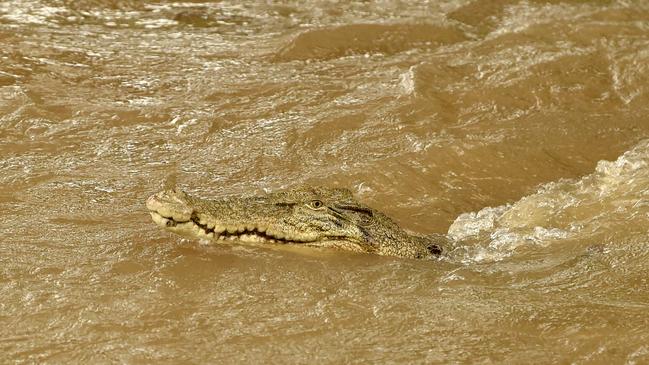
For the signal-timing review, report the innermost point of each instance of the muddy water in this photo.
(520, 128)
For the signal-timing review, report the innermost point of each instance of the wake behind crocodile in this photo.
(611, 200)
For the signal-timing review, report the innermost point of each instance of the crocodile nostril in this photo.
(170, 223)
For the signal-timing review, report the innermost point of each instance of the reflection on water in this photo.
(520, 127)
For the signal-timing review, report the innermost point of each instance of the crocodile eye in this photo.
(316, 204)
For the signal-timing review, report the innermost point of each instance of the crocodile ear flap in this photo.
(434, 249)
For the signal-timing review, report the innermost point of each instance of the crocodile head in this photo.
(310, 216)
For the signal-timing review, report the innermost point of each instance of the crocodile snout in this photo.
(171, 204)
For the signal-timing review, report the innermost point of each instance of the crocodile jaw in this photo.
(193, 228)
(171, 210)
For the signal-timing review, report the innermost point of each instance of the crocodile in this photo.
(309, 216)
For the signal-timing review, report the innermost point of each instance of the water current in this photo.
(518, 128)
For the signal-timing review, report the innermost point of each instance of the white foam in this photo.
(611, 199)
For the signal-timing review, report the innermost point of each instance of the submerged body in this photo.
(309, 216)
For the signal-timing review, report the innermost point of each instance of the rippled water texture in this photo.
(520, 128)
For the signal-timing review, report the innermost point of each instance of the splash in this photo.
(614, 199)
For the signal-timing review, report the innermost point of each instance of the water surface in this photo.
(519, 128)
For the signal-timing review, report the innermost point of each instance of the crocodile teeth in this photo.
(251, 238)
(204, 227)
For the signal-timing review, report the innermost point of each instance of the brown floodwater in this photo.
(518, 128)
